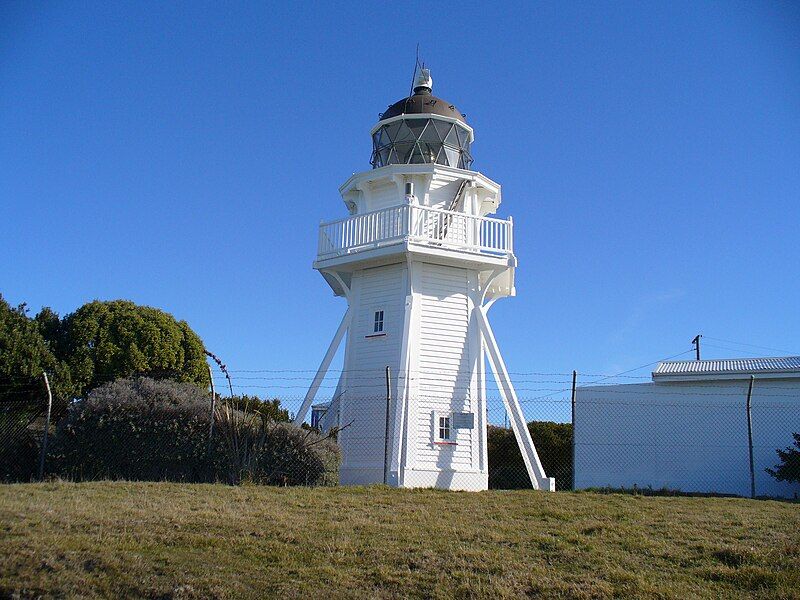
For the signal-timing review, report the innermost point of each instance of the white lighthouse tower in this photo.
(419, 262)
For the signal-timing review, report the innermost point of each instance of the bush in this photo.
(153, 430)
(789, 468)
(295, 456)
(19, 456)
(553, 442)
(138, 429)
(259, 449)
(24, 355)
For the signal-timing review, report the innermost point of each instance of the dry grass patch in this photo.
(163, 540)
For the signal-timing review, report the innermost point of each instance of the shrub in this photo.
(24, 355)
(152, 430)
(262, 450)
(19, 456)
(138, 429)
(553, 442)
(789, 468)
(295, 456)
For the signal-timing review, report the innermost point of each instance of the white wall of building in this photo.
(362, 388)
(688, 436)
(446, 366)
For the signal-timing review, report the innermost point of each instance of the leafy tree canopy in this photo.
(103, 341)
(553, 442)
(24, 354)
(271, 410)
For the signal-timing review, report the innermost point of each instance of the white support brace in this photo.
(323, 368)
(539, 480)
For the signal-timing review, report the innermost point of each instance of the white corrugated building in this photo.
(687, 430)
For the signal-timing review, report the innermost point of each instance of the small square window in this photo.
(378, 327)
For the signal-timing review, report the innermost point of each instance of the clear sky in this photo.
(181, 155)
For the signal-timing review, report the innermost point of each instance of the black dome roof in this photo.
(422, 102)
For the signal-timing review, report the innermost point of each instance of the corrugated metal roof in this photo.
(781, 364)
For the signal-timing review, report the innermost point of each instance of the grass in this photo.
(163, 540)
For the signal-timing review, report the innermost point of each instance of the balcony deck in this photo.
(417, 226)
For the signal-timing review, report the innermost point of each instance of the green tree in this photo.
(103, 341)
(553, 443)
(271, 410)
(789, 469)
(24, 355)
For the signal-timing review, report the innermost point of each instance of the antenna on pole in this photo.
(696, 344)
(414, 76)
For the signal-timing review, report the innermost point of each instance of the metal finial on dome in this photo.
(423, 82)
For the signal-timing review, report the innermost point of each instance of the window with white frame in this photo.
(443, 428)
(378, 325)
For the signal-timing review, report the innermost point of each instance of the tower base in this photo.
(415, 478)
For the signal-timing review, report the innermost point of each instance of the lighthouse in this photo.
(419, 261)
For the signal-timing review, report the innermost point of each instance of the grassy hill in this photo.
(161, 540)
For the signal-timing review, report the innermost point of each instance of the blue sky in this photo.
(181, 155)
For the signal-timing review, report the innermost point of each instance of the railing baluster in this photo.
(442, 227)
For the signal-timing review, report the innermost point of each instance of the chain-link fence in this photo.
(25, 411)
(712, 438)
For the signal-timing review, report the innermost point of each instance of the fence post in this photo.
(386, 434)
(46, 425)
(750, 437)
(574, 386)
(213, 406)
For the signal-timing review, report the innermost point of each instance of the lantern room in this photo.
(422, 129)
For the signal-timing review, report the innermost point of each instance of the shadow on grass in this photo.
(665, 492)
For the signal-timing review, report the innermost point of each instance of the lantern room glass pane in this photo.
(430, 134)
(391, 129)
(452, 156)
(452, 138)
(404, 133)
(442, 128)
(420, 141)
(403, 152)
(417, 126)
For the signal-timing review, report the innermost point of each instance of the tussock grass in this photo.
(163, 540)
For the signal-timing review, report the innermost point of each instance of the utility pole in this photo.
(696, 342)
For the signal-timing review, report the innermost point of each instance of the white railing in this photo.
(418, 224)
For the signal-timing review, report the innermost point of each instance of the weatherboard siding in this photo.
(364, 386)
(383, 195)
(443, 364)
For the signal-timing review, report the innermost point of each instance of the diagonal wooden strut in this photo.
(323, 368)
(539, 479)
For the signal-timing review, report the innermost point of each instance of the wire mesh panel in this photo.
(658, 438)
(22, 410)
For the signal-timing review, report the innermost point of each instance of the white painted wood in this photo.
(363, 404)
(433, 226)
(518, 423)
(444, 364)
(430, 264)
